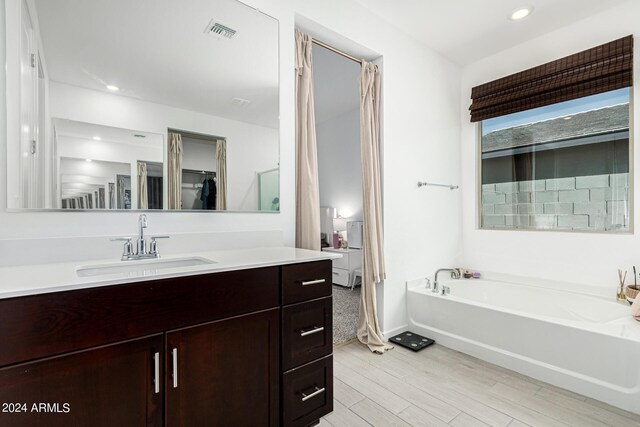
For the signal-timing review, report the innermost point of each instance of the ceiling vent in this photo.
(219, 30)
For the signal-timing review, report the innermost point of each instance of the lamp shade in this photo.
(340, 224)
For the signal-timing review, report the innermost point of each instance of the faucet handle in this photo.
(127, 251)
(153, 246)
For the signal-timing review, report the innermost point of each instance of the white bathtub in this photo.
(583, 343)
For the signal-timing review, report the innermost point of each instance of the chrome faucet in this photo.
(141, 243)
(455, 274)
(128, 253)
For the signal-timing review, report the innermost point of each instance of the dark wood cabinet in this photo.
(307, 343)
(307, 332)
(302, 282)
(308, 393)
(211, 349)
(224, 373)
(113, 385)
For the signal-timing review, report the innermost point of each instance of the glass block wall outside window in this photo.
(559, 167)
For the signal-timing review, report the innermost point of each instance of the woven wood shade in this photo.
(597, 70)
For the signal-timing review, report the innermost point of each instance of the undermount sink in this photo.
(140, 268)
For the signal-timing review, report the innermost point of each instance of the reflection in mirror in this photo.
(268, 190)
(204, 70)
(93, 159)
(193, 180)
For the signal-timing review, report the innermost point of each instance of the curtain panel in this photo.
(221, 175)
(369, 332)
(600, 69)
(174, 171)
(143, 195)
(307, 182)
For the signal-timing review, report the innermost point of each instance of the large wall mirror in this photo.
(142, 105)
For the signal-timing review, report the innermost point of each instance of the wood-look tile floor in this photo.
(442, 387)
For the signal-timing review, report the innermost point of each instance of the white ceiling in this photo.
(87, 131)
(468, 30)
(336, 84)
(156, 50)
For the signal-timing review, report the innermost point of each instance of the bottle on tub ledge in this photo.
(468, 274)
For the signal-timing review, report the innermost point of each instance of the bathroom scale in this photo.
(411, 341)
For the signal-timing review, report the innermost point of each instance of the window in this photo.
(563, 166)
(555, 146)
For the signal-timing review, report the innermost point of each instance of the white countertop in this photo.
(56, 277)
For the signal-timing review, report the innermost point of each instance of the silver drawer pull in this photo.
(315, 330)
(156, 373)
(174, 354)
(313, 282)
(306, 397)
(335, 273)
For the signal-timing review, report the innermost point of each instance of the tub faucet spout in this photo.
(454, 275)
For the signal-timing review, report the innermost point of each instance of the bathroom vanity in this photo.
(213, 346)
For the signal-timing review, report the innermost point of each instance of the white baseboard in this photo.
(395, 331)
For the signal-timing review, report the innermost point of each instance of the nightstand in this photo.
(343, 268)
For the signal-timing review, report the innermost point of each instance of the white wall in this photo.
(567, 256)
(339, 166)
(198, 155)
(420, 131)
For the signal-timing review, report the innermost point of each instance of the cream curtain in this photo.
(143, 195)
(175, 170)
(307, 187)
(372, 244)
(221, 175)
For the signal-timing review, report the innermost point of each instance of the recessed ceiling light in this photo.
(113, 88)
(96, 138)
(88, 160)
(568, 117)
(521, 13)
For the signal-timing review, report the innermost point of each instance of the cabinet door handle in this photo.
(174, 358)
(315, 330)
(306, 397)
(313, 282)
(156, 373)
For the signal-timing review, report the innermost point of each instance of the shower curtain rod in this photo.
(338, 51)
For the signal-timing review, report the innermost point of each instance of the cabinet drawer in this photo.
(308, 393)
(302, 282)
(342, 262)
(307, 331)
(340, 277)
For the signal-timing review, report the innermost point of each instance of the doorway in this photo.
(337, 114)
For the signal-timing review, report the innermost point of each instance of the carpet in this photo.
(345, 313)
